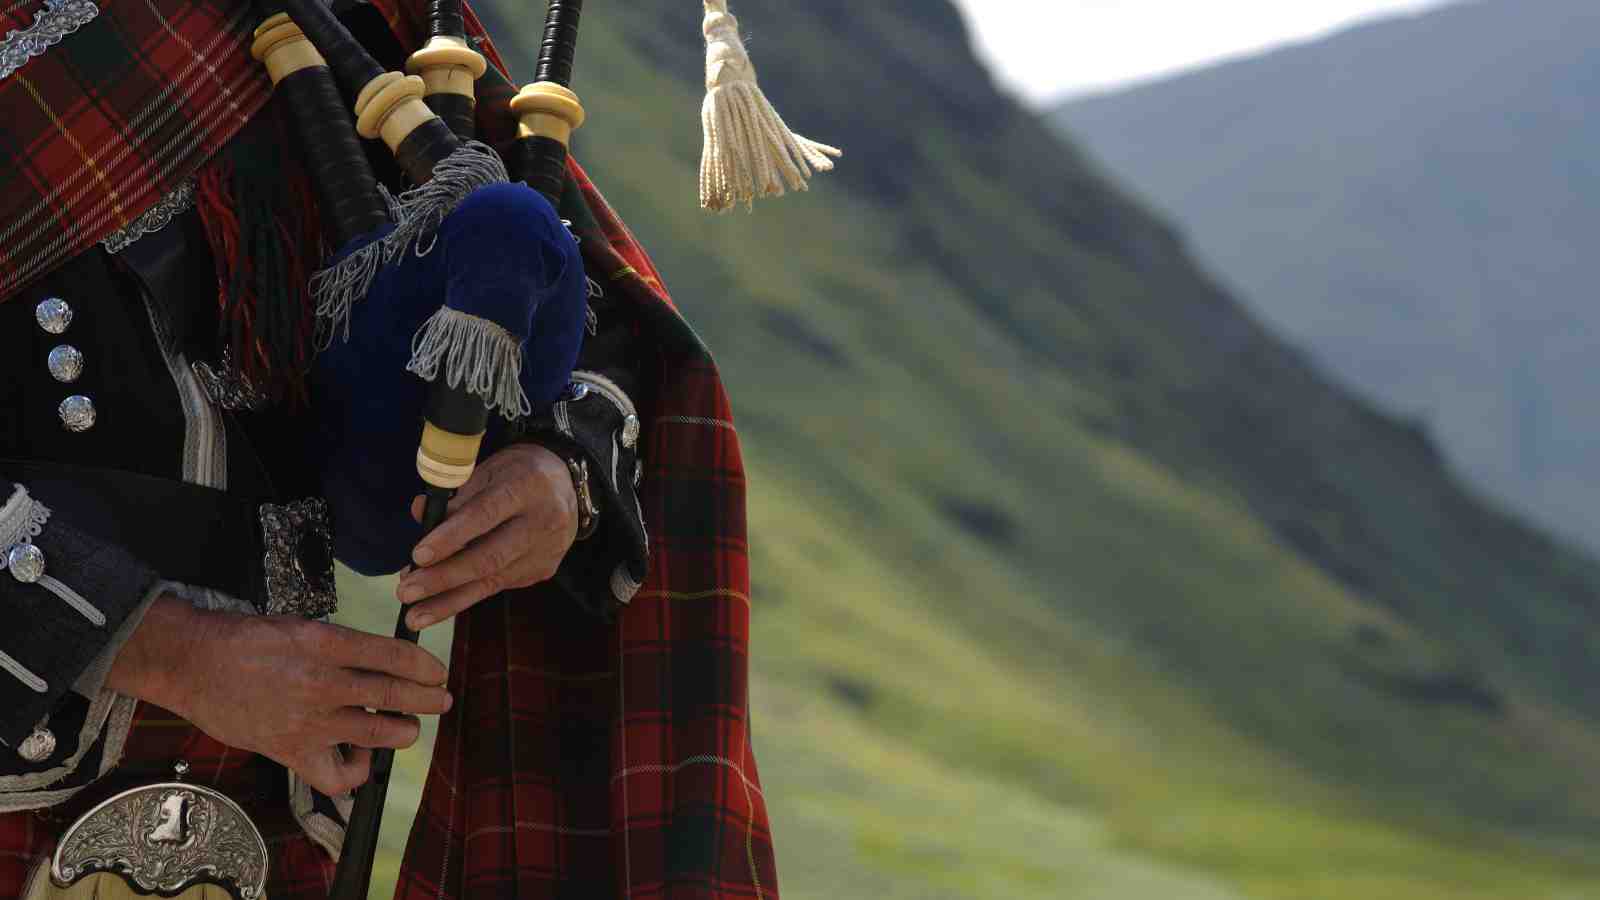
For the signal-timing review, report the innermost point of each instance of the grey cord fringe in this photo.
(417, 214)
(477, 352)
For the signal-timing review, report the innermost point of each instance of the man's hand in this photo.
(289, 689)
(509, 527)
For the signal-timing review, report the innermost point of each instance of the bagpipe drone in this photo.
(468, 280)
(462, 297)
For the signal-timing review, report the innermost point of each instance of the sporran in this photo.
(170, 840)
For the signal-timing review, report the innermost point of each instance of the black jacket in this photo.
(141, 320)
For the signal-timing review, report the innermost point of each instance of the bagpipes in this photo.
(465, 295)
(507, 334)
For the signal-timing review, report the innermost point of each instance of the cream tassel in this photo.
(750, 152)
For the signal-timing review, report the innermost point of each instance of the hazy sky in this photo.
(1046, 48)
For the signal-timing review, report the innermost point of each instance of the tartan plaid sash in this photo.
(100, 126)
(582, 758)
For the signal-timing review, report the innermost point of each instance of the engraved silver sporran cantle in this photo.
(163, 839)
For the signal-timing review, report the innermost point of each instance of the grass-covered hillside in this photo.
(1416, 202)
(1071, 581)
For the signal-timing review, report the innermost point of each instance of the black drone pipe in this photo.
(391, 106)
(548, 110)
(449, 65)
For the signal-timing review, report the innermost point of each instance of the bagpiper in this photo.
(283, 283)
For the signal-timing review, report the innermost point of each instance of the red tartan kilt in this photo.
(300, 869)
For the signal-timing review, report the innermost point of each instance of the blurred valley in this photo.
(1071, 579)
(1414, 202)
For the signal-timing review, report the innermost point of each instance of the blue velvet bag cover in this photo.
(502, 259)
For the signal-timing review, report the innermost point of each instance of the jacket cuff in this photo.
(66, 596)
(89, 732)
(92, 680)
(597, 421)
(91, 724)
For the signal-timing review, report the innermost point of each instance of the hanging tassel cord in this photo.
(417, 214)
(255, 203)
(300, 235)
(216, 199)
(750, 152)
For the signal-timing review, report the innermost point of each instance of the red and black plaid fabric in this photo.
(582, 758)
(113, 118)
(611, 760)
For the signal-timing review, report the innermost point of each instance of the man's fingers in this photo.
(357, 766)
(330, 772)
(389, 694)
(322, 773)
(451, 603)
(490, 557)
(532, 568)
(487, 474)
(360, 728)
(402, 659)
(442, 542)
(347, 648)
(484, 476)
(474, 518)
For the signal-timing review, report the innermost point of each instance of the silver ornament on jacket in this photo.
(54, 315)
(26, 563)
(66, 363)
(38, 746)
(77, 413)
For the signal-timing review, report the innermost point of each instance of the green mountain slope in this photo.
(1071, 581)
(1414, 201)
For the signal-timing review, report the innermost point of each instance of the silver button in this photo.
(38, 746)
(26, 563)
(577, 391)
(53, 315)
(77, 413)
(66, 363)
(630, 431)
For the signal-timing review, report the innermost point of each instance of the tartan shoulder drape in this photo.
(630, 741)
(116, 116)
